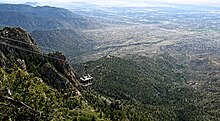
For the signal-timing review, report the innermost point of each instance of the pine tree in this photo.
(100, 116)
(93, 118)
(75, 119)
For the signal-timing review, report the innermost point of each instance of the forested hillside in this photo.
(40, 18)
(95, 63)
(70, 42)
(154, 86)
(37, 86)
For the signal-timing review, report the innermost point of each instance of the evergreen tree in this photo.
(75, 119)
(93, 118)
(100, 116)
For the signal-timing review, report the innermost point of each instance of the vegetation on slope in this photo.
(156, 86)
(39, 18)
(68, 41)
(35, 86)
(26, 97)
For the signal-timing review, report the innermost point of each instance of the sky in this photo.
(117, 2)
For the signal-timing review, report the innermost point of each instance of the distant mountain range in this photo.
(52, 28)
(40, 18)
(35, 85)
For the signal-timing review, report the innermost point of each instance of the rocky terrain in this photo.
(147, 63)
(37, 86)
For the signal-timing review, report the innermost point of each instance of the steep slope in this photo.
(40, 18)
(37, 86)
(144, 79)
(18, 44)
(66, 40)
(156, 86)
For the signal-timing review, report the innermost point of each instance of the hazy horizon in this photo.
(116, 2)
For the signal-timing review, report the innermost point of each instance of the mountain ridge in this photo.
(154, 86)
(40, 17)
(37, 86)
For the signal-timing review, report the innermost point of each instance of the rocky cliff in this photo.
(37, 86)
(18, 48)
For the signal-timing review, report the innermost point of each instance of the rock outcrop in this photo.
(18, 48)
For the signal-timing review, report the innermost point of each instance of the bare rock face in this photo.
(18, 38)
(59, 81)
(54, 77)
(63, 66)
(18, 47)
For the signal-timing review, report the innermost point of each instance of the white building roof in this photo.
(86, 78)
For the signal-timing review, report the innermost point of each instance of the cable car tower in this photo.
(86, 79)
